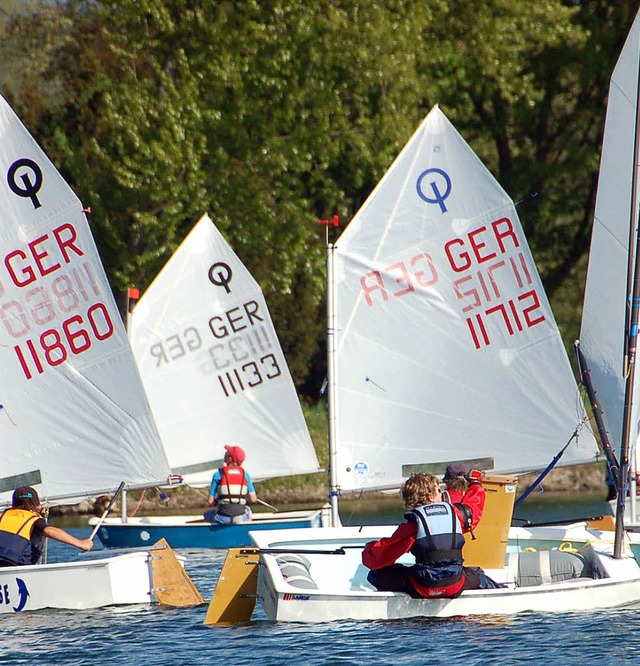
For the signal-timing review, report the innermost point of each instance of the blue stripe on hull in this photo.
(203, 535)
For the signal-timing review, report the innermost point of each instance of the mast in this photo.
(631, 343)
(331, 381)
(133, 294)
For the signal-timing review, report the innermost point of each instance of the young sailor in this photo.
(456, 482)
(433, 533)
(231, 488)
(23, 530)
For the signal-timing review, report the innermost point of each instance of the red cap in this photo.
(237, 453)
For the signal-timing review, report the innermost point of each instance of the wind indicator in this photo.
(334, 222)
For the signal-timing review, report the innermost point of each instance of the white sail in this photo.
(74, 419)
(606, 293)
(213, 368)
(446, 347)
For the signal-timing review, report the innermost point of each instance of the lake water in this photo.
(157, 636)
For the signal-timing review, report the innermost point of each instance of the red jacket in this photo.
(384, 553)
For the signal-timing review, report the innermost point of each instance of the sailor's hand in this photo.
(86, 545)
(475, 476)
(210, 500)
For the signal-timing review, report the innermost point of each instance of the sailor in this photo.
(456, 481)
(433, 533)
(23, 530)
(231, 489)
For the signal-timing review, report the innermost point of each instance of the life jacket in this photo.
(16, 528)
(438, 570)
(232, 491)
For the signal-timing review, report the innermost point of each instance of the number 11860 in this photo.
(75, 336)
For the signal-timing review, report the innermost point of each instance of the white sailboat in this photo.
(606, 313)
(606, 317)
(443, 349)
(215, 374)
(74, 419)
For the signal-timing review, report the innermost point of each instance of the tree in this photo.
(271, 114)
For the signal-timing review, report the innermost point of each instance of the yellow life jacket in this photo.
(16, 528)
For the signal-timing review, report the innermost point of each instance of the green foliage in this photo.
(272, 114)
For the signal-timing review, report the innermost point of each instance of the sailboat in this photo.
(442, 348)
(605, 335)
(74, 419)
(215, 374)
(607, 329)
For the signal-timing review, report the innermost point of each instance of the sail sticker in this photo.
(439, 177)
(361, 469)
(175, 346)
(242, 357)
(289, 596)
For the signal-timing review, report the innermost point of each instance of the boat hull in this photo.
(333, 586)
(192, 532)
(120, 580)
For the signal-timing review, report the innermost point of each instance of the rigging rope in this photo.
(551, 465)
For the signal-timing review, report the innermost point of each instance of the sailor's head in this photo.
(455, 477)
(25, 497)
(420, 489)
(235, 454)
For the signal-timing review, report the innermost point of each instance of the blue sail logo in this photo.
(434, 186)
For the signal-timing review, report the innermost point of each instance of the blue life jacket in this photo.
(438, 545)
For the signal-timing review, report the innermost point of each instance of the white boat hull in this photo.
(124, 579)
(334, 586)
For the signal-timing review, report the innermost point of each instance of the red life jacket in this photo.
(232, 491)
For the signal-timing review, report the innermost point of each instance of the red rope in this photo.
(139, 503)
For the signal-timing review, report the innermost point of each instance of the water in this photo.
(155, 636)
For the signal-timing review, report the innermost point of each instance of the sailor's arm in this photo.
(64, 537)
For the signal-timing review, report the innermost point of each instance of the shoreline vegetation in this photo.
(312, 490)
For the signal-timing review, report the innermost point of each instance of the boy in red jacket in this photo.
(433, 533)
